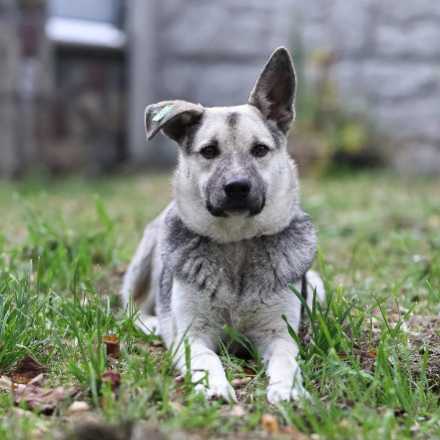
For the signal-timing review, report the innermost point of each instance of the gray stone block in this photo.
(349, 26)
(212, 84)
(315, 36)
(347, 77)
(418, 158)
(213, 31)
(8, 153)
(416, 118)
(400, 80)
(420, 40)
(408, 10)
(313, 11)
(8, 57)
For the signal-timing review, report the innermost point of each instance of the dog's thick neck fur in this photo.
(261, 265)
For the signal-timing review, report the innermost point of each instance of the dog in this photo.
(226, 250)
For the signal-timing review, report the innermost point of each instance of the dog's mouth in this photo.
(249, 208)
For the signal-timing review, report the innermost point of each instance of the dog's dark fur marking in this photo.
(190, 134)
(277, 135)
(232, 119)
(232, 123)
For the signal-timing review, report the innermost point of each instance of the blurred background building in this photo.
(75, 77)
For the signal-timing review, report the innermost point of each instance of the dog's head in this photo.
(235, 179)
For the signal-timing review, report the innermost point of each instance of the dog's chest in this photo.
(236, 279)
(232, 283)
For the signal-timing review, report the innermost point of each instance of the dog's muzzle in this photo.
(238, 198)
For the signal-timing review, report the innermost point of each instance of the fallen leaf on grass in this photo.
(113, 378)
(7, 384)
(26, 369)
(40, 399)
(157, 343)
(249, 372)
(270, 424)
(112, 346)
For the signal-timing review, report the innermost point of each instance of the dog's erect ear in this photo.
(274, 91)
(174, 118)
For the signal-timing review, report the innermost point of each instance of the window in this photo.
(107, 11)
(97, 23)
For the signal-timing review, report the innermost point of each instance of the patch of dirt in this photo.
(424, 337)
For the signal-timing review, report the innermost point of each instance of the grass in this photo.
(370, 358)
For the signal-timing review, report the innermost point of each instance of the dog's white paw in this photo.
(277, 393)
(218, 390)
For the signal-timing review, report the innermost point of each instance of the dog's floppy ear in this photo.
(174, 118)
(274, 91)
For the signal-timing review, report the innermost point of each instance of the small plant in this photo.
(328, 133)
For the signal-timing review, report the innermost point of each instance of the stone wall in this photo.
(213, 51)
(204, 51)
(386, 63)
(8, 65)
(25, 73)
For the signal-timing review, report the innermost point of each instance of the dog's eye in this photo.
(210, 152)
(259, 150)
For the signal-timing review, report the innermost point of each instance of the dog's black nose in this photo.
(238, 189)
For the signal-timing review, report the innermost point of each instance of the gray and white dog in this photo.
(225, 251)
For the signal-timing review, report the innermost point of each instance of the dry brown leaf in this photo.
(249, 372)
(157, 343)
(26, 369)
(113, 378)
(7, 384)
(270, 424)
(40, 399)
(112, 346)
(37, 380)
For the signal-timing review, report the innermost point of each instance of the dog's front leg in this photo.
(285, 379)
(193, 335)
(206, 369)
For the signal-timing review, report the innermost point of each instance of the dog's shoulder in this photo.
(275, 261)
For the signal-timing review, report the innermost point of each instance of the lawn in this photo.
(371, 358)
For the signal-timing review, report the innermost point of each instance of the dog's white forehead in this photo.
(232, 127)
